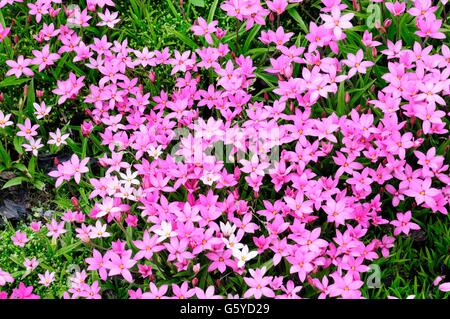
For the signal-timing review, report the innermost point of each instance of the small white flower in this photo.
(243, 255)
(227, 229)
(99, 231)
(165, 231)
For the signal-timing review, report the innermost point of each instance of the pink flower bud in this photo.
(347, 97)
(86, 128)
(152, 76)
(39, 93)
(374, 52)
(387, 23)
(271, 17)
(74, 201)
(195, 281)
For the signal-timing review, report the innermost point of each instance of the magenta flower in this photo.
(337, 22)
(120, 265)
(403, 224)
(396, 8)
(258, 284)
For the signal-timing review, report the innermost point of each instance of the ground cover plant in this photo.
(224, 149)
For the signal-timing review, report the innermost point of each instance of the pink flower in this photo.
(23, 292)
(337, 22)
(147, 246)
(277, 6)
(76, 167)
(44, 58)
(429, 27)
(47, 278)
(41, 110)
(30, 264)
(120, 265)
(55, 229)
(396, 8)
(4, 120)
(98, 262)
(204, 28)
(5, 278)
(403, 224)
(346, 287)
(258, 284)
(27, 130)
(422, 191)
(35, 226)
(57, 138)
(356, 63)
(20, 67)
(445, 287)
(19, 239)
(109, 19)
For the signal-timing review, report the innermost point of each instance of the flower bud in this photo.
(419, 132)
(2, 97)
(374, 52)
(86, 128)
(195, 281)
(271, 17)
(387, 23)
(152, 76)
(39, 93)
(347, 97)
(74, 201)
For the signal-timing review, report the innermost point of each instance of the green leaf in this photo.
(4, 156)
(31, 98)
(172, 8)
(296, 16)
(197, 3)
(185, 39)
(14, 182)
(67, 249)
(32, 166)
(13, 81)
(341, 107)
(18, 144)
(212, 11)
(39, 184)
(254, 31)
